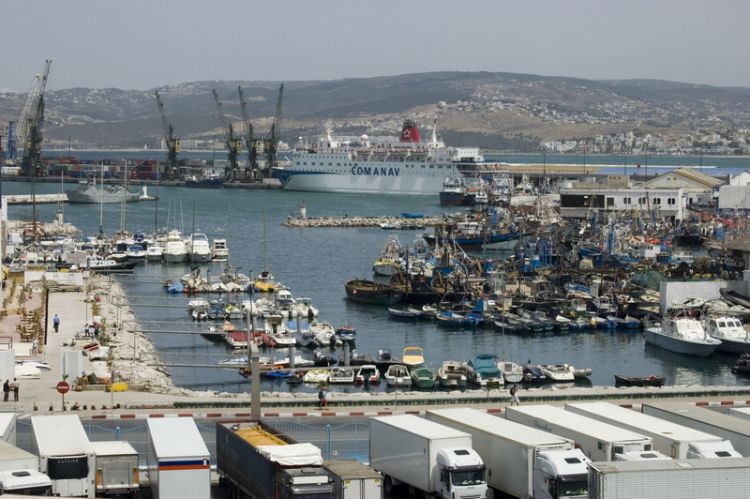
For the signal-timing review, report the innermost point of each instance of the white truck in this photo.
(521, 461)
(354, 480)
(19, 472)
(670, 479)
(65, 454)
(645, 455)
(599, 441)
(116, 468)
(688, 414)
(178, 460)
(427, 457)
(672, 439)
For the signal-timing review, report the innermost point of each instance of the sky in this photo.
(142, 44)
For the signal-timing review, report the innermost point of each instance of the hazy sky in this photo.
(147, 43)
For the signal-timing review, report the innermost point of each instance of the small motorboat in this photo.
(346, 332)
(385, 359)
(368, 374)
(213, 334)
(484, 372)
(280, 373)
(512, 372)
(397, 376)
(422, 378)
(582, 373)
(322, 360)
(324, 333)
(426, 313)
(317, 376)
(412, 356)
(341, 375)
(558, 372)
(236, 339)
(532, 373)
(401, 314)
(452, 374)
(652, 380)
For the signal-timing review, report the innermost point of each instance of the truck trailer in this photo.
(8, 427)
(599, 441)
(65, 454)
(19, 472)
(427, 457)
(254, 463)
(116, 468)
(740, 412)
(672, 439)
(354, 480)
(179, 464)
(670, 479)
(521, 461)
(728, 427)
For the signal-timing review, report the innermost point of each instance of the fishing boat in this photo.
(422, 378)
(412, 356)
(450, 319)
(512, 372)
(317, 376)
(389, 260)
(729, 330)
(483, 371)
(558, 372)
(341, 376)
(682, 335)
(453, 192)
(367, 374)
(401, 314)
(397, 376)
(364, 291)
(652, 380)
(452, 374)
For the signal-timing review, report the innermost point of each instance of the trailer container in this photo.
(669, 479)
(178, 460)
(728, 427)
(116, 468)
(65, 454)
(599, 441)
(672, 439)
(521, 461)
(252, 462)
(8, 427)
(427, 457)
(740, 412)
(354, 480)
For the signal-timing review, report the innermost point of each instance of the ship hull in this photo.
(86, 198)
(397, 184)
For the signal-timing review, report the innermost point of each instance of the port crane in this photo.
(234, 144)
(272, 140)
(250, 142)
(29, 132)
(172, 142)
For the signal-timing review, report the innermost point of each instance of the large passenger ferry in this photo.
(377, 165)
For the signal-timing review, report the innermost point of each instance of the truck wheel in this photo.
(388, 485)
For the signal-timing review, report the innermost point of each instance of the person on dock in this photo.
(14, 386)
(514, 400)
(56, 323)
(6, 390)
(322, 398)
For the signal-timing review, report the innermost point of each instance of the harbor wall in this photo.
(672, 291)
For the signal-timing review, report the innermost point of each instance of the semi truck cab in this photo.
(561, 474)
(461, 474)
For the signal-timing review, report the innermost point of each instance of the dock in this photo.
(384, 222)
(40, 198)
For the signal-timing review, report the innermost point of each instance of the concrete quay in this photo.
(360, 221)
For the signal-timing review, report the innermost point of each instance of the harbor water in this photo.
(316, 263)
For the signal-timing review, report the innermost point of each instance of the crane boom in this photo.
(233, 144)
(31, 125)
(272, 140)
(250, 142)
(172, 142)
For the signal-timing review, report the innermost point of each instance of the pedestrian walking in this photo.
(34, 346)
(322, 400)
(514, 400)
(56, 322)
(6, 390)
(14, 385)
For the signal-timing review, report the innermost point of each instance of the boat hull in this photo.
(393, 182)
(655, 338)
(174, 257)
(732, 346)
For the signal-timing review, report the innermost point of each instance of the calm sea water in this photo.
(317, 263)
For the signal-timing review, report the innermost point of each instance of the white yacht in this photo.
(198, 248)
(682, 335)
(729, 330)
(219, 250)
(175, 251)
(154, 252)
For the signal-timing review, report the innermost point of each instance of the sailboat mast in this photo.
(101, 202)
(192, 236)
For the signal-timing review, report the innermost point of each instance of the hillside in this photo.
(492, 110)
